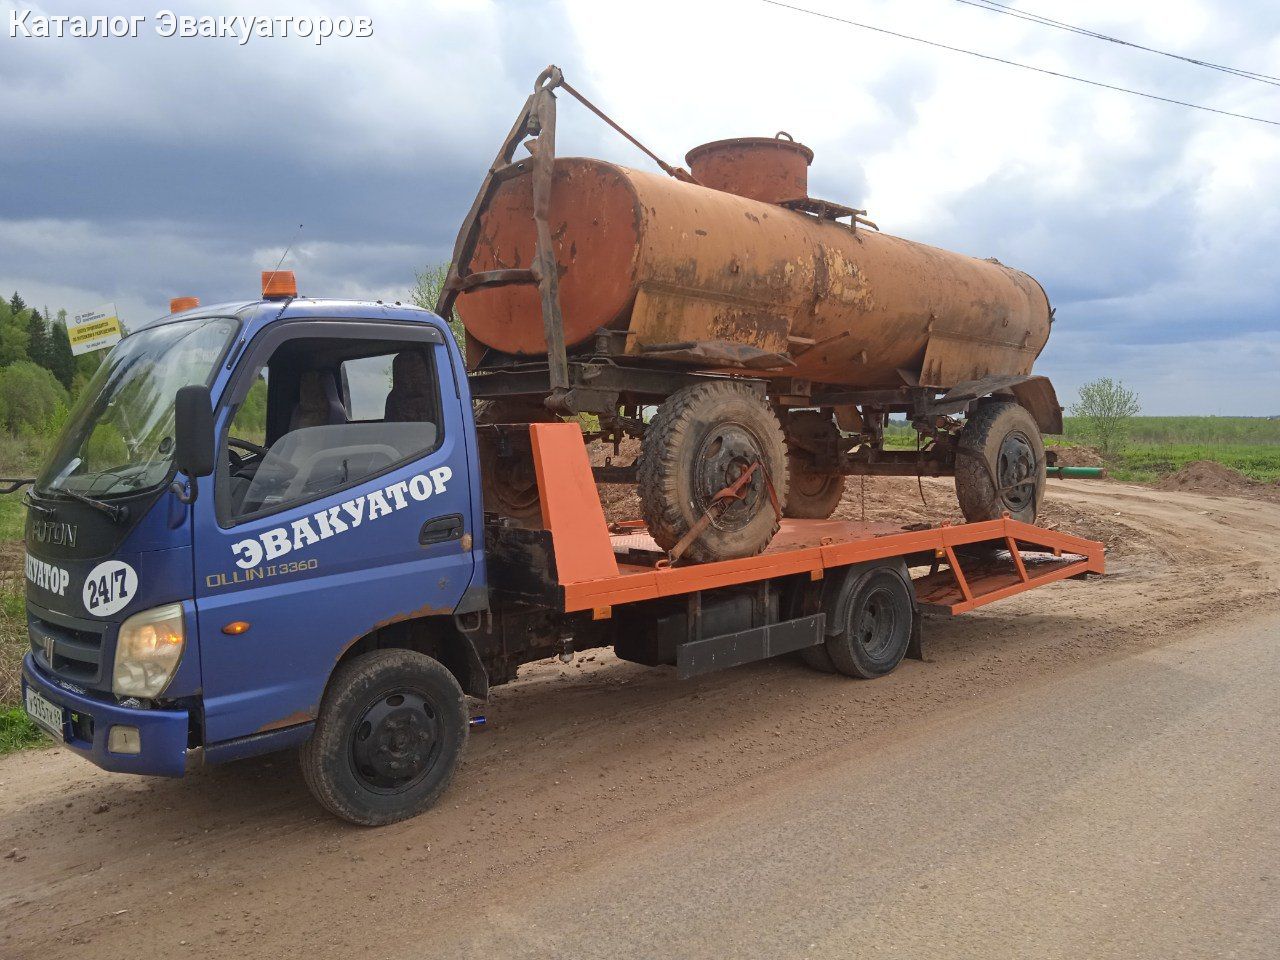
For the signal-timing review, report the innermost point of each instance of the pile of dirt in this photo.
(1078, 457)
(1209, 477)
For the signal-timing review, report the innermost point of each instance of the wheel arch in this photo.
(1037, 396)
(1033, 392)
(437, 637)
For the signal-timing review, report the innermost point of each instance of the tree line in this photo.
(39, 375)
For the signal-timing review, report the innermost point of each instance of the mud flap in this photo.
(746, 646)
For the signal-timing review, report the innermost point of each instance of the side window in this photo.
(331, 414)
(250, 423)
(366, 382)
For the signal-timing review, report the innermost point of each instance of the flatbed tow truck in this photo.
(335, 584)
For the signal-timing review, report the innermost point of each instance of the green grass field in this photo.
(12, 515)
(16, 731)
(1161, 445)
(1148, 462)
(1176, 431)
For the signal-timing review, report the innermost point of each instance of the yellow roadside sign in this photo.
(94, 330)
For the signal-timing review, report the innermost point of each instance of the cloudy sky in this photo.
(138, 169)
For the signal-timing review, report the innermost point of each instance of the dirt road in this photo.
(1088, 770)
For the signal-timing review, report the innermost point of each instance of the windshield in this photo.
(119, 437)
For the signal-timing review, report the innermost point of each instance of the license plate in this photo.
(47, 715)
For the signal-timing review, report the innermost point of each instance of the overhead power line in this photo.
(1024, 66)
(994, 6)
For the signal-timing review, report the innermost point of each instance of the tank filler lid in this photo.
(782, 141)
(768, 169)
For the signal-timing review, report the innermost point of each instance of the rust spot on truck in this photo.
(292, 720)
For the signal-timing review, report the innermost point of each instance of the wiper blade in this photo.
(13, 484)
(117, 512)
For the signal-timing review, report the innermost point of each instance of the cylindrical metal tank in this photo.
(675, 263)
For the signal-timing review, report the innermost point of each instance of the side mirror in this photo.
(193, 431)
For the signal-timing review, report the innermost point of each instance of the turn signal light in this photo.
(278, 285)
(178, 304)
(235, 628)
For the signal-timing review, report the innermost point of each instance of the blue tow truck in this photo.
(263, 528)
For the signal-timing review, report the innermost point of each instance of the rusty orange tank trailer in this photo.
(755, 339)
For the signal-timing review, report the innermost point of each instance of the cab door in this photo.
(341, 504)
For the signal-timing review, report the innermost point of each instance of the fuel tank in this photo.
(676, 264)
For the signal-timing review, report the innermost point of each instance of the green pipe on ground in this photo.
(1094, 472)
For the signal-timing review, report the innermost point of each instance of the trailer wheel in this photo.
(702, 439)
(509, 483)
(811, 495)
(877, 631)
(387, 741)
(1000, 464)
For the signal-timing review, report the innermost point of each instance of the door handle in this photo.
(441, 529)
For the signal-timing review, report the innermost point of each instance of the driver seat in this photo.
(318, 402)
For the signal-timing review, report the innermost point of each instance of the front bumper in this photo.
(87, 722)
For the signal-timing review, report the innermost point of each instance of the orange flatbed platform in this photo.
(598, 568)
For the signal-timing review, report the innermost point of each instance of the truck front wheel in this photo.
(388, 738)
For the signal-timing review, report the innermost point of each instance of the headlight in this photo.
(147, 652)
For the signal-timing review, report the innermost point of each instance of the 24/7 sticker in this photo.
(109, 587)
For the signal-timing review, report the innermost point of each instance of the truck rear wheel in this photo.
(388, 738)
(811, 495)
(1000, 464)
(701, 440)
(877, 628)
(509, 483)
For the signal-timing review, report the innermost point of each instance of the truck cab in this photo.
(244, 495)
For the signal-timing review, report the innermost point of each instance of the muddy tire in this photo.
(877, 630)
(391, 729)
(509, 483)
(1000, 464)
(700, 441)
(810, 495)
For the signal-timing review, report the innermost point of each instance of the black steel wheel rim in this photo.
(1016, 471)
(512, 480)
(517, 482)
(726, 452)
(806, 483)
(875, 623)
(396, 742)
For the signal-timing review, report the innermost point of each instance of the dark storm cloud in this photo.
(370, 143)
(136, 170)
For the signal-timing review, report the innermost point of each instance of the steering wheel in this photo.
(247, 446)
(238, 461)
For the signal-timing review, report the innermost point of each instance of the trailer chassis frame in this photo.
(564, 587)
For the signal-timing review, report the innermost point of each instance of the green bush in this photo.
(17, 732)
(30, 397)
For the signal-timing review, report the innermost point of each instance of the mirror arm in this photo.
(186, 494)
